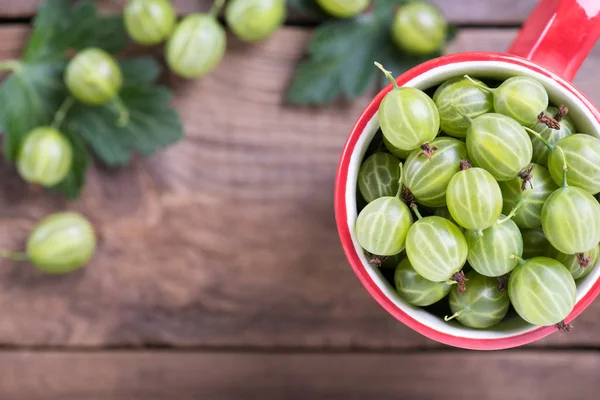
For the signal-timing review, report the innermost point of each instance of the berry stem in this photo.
(512, 213)
(400, 181)
(456, 314)
(121, 108)
(565, 169)
(15, 256)
(479, 84)
(62, 111)
(217, 7)
(540, 138)
(388, 74)
(519, 259)
(462, 114)
(415, 209)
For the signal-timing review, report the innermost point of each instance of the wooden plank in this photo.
(226, 239)
(224, 376)
(479, 12)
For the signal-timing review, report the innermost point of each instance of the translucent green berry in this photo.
(93, 77)
(419, 28)
(253, 20)
(149, 22)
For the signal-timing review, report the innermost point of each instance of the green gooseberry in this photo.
(427, 177)
(61, 243)
(459, 97)
(579, 265)
(93, 77)
(436, 248)
(401, 154)
(552, 136)
(45, 157)
(197, 46)
(542, 291)
(482, 304)
(491, 251)
(474, 198)
(415, 289)
(528, 193)
(583, 162)
(571, 217)
(520, 98)
(254, 20)
(445, 213)
(408, 117)
(343, 8)
(379, 176)
(499, 144)
(419, 28)
(382, 226)
(535, 243)
(149, 22)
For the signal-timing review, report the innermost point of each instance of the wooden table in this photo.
(220, 275)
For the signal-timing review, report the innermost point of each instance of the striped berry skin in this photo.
(419, 28)
(149, 22)
(382, 226)
(535, 243)
(93, 76)
(482, 305)
(468, 98)
(573, 261)
(436, 248)
(531, 200)
(408, 118)
(522, 99)
(490, 252)
(474, 198)
(500, 145)
(343, 8)
(401, 154)
(254, 20)
(542, 291)
(415, 289)
(571, 220)
(582, 153)
(540, 150)
(428, 179)
(378, 176)
(445, 213)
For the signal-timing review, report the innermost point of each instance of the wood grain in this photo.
(226, 239)
(498, 12)
(224, 376)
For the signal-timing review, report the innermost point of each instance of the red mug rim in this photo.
(344, 231)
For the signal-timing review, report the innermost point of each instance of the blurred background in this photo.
(219, 273)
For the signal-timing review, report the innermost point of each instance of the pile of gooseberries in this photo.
(479, 195)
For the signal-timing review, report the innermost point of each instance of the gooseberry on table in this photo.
(343, 8)
(254, 20)
(45, 157)
(149, 22)
(197, 45)
(419, 28)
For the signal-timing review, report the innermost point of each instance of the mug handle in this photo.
(559, 35)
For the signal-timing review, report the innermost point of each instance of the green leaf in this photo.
(28, 99)
(307, 7)
(71, 186)
(153, 122)
(451, 34)
(342, 54)
(59, 27)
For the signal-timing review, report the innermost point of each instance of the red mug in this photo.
(551, 47)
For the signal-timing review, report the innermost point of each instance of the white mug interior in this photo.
(579, 111)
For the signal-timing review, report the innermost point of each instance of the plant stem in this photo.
(479, 84)
(519, 259)
(9, 65)
(217, 7)
(456, 314)
(122, 110)
(462, 114)
(400, 181)
(540, 138)
(562, 154)
(512, 213)
(388, 74)
(415, 209)
(14, 256)
(62, 111)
